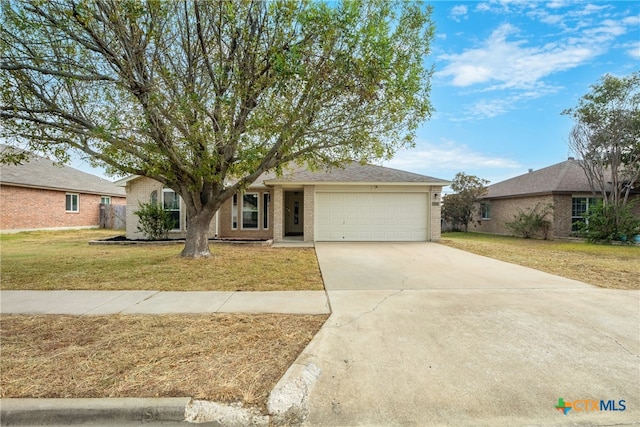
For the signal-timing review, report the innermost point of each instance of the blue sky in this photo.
(504, 71)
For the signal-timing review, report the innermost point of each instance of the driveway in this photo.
(423, 334)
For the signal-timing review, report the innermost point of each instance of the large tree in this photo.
(459, 208)
(196, 94)
(606, 139)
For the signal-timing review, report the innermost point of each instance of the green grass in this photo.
(64, 260)
(609, 266)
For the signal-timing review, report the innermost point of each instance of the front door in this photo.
(293, 213)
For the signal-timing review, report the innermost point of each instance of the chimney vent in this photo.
(571, 158)
(530, 170)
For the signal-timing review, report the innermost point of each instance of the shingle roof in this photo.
(565, 177)
(44, 173)
(357, 173)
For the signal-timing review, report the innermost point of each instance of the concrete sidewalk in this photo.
(85, 303)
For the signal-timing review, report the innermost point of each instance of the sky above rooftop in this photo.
(504, 72)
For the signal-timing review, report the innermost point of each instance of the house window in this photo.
(265, 210)
(485, 210)
(579, 207)
(234, 212)
(72, 202)
(171, 203)
(250, 211)
(153, 198)
(105, 200)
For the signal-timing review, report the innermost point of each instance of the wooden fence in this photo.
(113, 216)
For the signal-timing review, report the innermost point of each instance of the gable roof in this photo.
(565, 177)
(352, 173)
(39, 172)
(355, 172)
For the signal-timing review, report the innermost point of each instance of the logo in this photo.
(563, 406)
(590, 405)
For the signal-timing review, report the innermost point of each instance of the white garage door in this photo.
(371, 217)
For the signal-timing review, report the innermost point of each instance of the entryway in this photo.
(294, 213)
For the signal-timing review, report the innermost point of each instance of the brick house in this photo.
(353, 203)
(39, 194)
(563, 186)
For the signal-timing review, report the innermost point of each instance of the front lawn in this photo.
(64, 260)
(219, 357)
(607, 266)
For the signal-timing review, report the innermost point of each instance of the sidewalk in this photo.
(87, 303)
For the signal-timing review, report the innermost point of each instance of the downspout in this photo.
(217, 223)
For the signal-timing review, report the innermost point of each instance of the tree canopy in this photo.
(606, 138)
(459, 208)
(195, 93)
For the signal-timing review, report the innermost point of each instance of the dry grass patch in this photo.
(607, 266)
(221, 357)
(65, 260)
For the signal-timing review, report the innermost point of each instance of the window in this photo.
(250, 211)
(485, 210)
(105, 200)
(234, 212)
(579, 207)
(171, 203)
(72, 203)
(153, 198)
(265, 211)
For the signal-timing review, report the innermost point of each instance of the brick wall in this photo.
(309, 211)
(24, 208)
(435, 208)
(225, 229)
(503, 211)
(277, 202)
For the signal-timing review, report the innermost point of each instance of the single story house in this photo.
(40, 194)
(354, 203)
(563, 186)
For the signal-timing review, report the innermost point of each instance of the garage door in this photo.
(371, 217)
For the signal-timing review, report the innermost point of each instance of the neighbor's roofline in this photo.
(65, 189)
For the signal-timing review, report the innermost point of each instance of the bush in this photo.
(531, 222)
(155, 222)
(601, 225)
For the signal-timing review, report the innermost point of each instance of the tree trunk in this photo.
(197, 242)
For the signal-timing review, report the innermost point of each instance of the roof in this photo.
(565, 177)
(352, 173)
(355, 172)
(44, 173)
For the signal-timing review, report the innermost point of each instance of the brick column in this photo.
(278, 217)
(435, 226)
(309, 208)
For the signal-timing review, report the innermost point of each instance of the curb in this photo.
(85, 411)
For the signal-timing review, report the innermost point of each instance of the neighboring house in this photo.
(354, 203)
(39, 194)
(563, 185)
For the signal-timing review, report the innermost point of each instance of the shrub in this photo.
(601, 224)
(531, 222)
(155, 222)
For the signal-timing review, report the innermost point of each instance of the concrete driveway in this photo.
(423, 334)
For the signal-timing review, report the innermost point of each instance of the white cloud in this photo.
(458, 12)
(447, 155)
(634, 50)
(511, 64)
